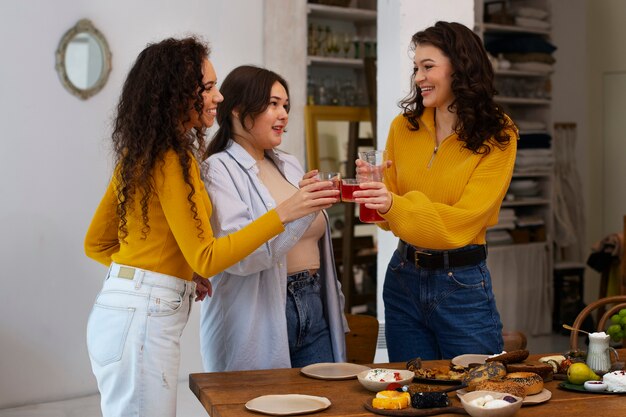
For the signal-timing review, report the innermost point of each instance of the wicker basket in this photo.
(338, 3)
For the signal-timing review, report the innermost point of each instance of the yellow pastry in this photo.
(391, 400)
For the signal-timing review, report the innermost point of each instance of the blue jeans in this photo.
(439, 313)
(307, 328)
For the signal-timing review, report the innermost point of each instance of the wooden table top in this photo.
(224, 394)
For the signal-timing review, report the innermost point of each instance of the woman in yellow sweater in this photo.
(452, 152)
(152, 228)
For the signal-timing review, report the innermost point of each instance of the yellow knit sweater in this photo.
(444, 199)
(173, 245)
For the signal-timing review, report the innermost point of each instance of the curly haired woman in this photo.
(152, 228)
(453, 151)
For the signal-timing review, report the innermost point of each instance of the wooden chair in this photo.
(618, 301)
(362, 339)
(514, 341)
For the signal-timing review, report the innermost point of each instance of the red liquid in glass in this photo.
(367, 215)
(347, 190)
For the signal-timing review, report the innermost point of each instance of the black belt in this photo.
(436, 259)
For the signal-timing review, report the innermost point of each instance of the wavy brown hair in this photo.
(163, 84)
(480, 119)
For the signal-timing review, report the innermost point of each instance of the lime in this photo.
(579, 372)
(615, 318)
(622, 312)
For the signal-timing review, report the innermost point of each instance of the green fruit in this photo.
(619, 335)
(579, 372)
(613, 329)
(615, 319)
(623, 321)
(622, 312)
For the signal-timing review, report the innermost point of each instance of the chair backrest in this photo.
(619, 302)
(362, 339)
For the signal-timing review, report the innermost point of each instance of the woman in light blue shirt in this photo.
(281, 306)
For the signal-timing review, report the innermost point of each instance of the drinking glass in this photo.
(348, 187)
(376, 162)
(335, 177)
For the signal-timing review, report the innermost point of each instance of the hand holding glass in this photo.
(334, 177)
(373, 172)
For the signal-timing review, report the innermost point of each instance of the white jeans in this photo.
(133, 338)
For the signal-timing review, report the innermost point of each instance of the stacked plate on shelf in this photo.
(524, 188)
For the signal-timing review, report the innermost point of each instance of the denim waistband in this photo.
(146, 277)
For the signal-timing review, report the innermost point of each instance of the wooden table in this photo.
(224, 394)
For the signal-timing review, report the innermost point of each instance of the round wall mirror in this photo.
(83, 60)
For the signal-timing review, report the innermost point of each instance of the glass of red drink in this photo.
(367, 215)
(348, 186)
(335, 177)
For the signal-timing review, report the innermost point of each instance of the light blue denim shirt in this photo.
(243, 325)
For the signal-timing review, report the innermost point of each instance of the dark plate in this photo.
(572, 387)
(437, 381)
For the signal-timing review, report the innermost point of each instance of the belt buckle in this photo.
(417, 259)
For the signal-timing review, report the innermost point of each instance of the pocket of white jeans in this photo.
(164, 301)
(107, 330)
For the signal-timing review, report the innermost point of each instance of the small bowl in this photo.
(476, 411)
(406, 377)
(595, 386)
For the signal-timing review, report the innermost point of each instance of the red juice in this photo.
(367, 215)
(347, 190)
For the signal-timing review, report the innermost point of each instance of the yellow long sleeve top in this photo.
(445, 197)
(174, 245)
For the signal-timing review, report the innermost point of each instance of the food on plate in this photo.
(554, 361)
(429, 399)
(414, 388)
(615, 381)
(383, 375)
(489, 370)
(448, 372)
(513, 356)
(489, 402)
(414, 364)
(544, 370)
(532, 383)
(578, 373)
(500, 385)
(391, 400)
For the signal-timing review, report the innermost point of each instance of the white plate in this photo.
(288, 404)
(541, 397)
(331, 370)
(468, 359)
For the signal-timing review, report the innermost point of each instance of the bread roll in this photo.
(544, 370)
(513, 356)
(484, 372)
(499, 385)
(532, 383)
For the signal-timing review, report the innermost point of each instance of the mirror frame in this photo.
(83, 26)
(314, 114)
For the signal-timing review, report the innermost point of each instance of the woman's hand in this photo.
(308, 178)
(374, 195)
(314, 196)
(203, 287)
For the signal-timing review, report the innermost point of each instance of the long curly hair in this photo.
(480, 119)
(164, 83)
(246, 89)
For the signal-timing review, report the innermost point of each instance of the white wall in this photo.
(54, 166)
(398, 21)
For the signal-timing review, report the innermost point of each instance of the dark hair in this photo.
(479, 117)
(247, 90)
(165, 80)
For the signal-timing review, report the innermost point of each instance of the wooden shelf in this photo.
(523, 101)
(497, 28)
(334, 61)
(546, 175)
(518, 73)
(352, 14)
(526, 202)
